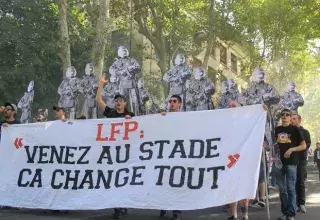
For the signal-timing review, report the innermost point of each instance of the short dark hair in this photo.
(177, 97)
(286, 110)
(299, 116)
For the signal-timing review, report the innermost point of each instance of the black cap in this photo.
(57, 108)
(120, 96)
(13, 106)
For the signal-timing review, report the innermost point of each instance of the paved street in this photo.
(313, 210)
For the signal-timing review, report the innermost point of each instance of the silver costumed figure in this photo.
(25, 104)
(203, 88)
(177, 77)
(68, 91)
(88, 86)
(226, 96)
(144, 96)
(260, 92)
(110, 91)
(127, 69)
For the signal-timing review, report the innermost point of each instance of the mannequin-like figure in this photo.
(226, 95)
(144, 96)
(260, 92)
(290, 99)
(177, 77)
(110, 91)
(233, 89)
(203, 88)
(127, 69)
(88, 86)
(68, 91)
(25, 104)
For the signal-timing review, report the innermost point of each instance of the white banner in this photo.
(181, 161)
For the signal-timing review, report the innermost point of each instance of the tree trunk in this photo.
(64, 47)
(101, 30)
(211, 37)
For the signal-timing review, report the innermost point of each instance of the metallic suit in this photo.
(126, 70)
(260, 92)
(290, 99)
(25, 104)
(110, 91)
(144, 96)
(89, 87)
(233, 89)
(177, 77)
(226, 96)
(68, 91)
(204, 89)
(154, 108)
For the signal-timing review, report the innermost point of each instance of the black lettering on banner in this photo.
(29, 156)
(160, 176)
(105, 151)
(210, 148)
(53, 179)
(87, 179)
(86, 150)
(72, 179)
(125, 179)
(37, 178)
(161, 142)
(136, 175)
(178, 148)
(20, 184)
(69, 155)
(192, 148)
(56, 154)
(43, 154)
(215, 174)
(143, 150)
(173, 174)
(101, 176)
(190, 178)
(127, 155)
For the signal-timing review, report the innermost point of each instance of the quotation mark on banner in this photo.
(18, 143)
(233, 160)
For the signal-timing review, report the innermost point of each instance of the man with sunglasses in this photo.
(175, 103)
(9, 110)
(120, 111)
(290, 142)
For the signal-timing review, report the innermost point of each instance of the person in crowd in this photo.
(59, 113)
(41, 115)
(120, 111)
(175, 103)
(302, 166)
(316, 157)
(290, 142)
(9, 111)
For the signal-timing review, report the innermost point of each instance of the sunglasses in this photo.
(8, 109)
(119, 100)
(286, 114)
(173, 101)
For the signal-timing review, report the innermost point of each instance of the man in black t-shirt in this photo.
(119, 111)
(9, 110)
(290, 142)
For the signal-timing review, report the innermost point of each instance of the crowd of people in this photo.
(287, 142)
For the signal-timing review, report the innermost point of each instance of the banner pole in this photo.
(266, 182)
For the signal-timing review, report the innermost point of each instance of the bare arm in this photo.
(99, 100)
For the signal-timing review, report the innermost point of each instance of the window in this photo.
(234, 63)
(223, 55)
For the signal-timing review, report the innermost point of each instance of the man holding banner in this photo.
(120, 111)
(175, 103)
